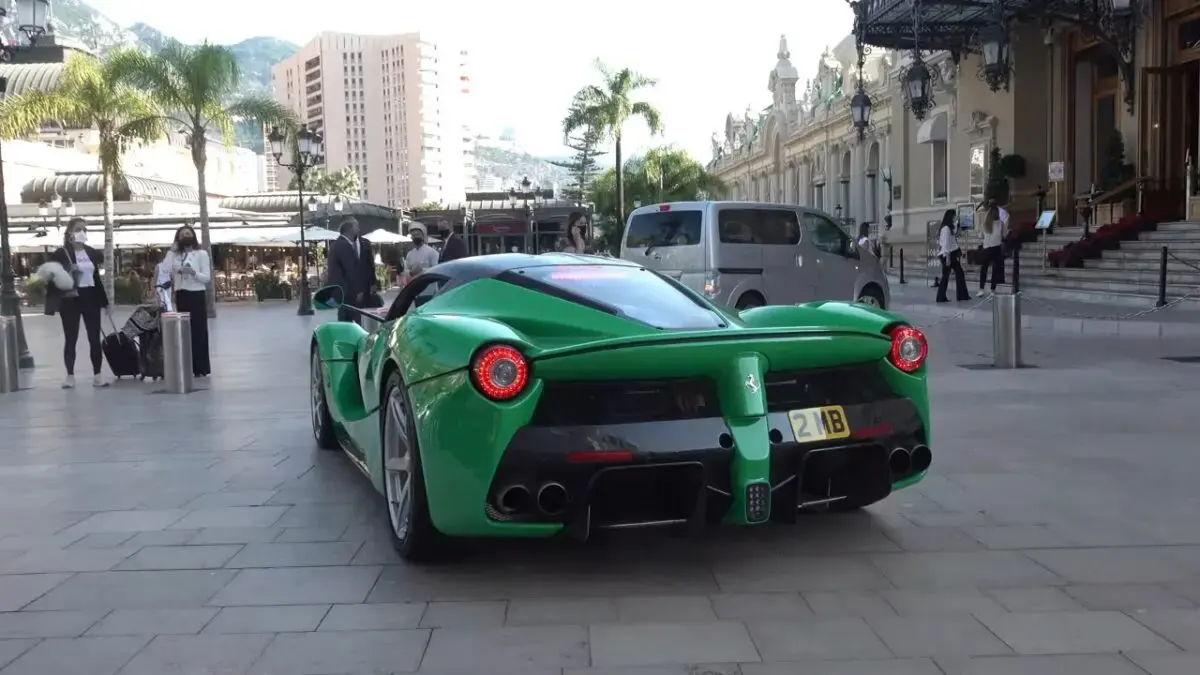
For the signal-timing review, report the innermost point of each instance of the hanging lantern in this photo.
(860, 111)
(996, 52)
(918, 87)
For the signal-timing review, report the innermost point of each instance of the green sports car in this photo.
(526, 396)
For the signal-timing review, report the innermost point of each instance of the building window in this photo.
(937, 171)
(979, 159)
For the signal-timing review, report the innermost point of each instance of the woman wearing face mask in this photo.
(190, 272)
(576, 225)
(75, 291)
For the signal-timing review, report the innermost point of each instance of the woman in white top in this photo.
(995, 227)
(75, 291)
(190, 272)
(951, 258)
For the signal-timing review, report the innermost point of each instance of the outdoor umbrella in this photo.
(386, 237)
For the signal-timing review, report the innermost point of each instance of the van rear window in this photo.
(772, 227)
(664, 228)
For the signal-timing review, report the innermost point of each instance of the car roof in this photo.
(486, 266)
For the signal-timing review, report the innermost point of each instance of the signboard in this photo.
(1058, 172)
(1046, 220)
(966, 216)
(932, 229)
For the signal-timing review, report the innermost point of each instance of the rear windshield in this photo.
(771, 227)
(636, 293)
(664, 228)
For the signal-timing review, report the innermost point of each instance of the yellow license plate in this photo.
(826, 423)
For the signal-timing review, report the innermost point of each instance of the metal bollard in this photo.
(1162, 278)
(177, 352)
(1006, 330)
(10, 350)
(902, 267)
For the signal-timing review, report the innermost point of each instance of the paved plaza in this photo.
(144, 533)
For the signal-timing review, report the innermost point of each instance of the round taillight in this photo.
(909, 348)
(500, 372)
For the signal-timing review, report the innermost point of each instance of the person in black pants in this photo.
(190, 270)
(951, 258)
(75, 291)
(992, 251)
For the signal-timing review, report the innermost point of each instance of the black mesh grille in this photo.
(625, 402)
(843, 385)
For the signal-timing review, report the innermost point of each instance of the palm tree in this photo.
(197, 87)
(91, 94)
(339, 183)
(607, 107)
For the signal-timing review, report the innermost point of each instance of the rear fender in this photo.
(432, 345)
(833, 314)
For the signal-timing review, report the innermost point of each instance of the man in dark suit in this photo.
(351, 265)
(453, 246)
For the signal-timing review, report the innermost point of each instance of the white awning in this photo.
(933, 129)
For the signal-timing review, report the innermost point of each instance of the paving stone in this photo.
(15, 625)
(926, 539)
(561, 611)
(816, 640)
(543, 646)
(66, 560)
(936, 635)
(743, 606)
(103, 540)
(313, 534)
(135, 590)
(380, 616)
(298, 586)
(231, 516)
(179, 558)
(11, 649)
(79, 656)
(665, 609)
(852, 667)
(343, 652)
(1146, 565)
(271, 619)
(766, 575)
(200, 654)
(319, 554)
(234, 535)
(1083, 664)
(962, 569)
(231, 498)
(1072, 632)
(1016, 537)
(1044, 599)
(1164, 663)
(464, 614)
(1127, 596)
(686, 669)
(127, 521)
(941, 601)
(18, 590)
(848, 604)
(1181, 626)
(161, 538)
(664, 644)
(153, 622)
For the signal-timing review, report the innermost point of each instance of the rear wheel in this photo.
(322, 422)
(750, 300)
(413, 533)
(871, 296)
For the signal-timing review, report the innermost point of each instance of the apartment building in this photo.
(394, 108)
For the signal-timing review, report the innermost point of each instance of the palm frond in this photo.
(150, 73)
(24, 114)
(649, 114)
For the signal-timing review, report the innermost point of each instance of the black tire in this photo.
(873, 296)
(322, 421)
(422, 542)
(750, 300)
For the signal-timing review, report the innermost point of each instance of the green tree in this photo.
(91, 94)
(997, 188)
(583, 165)
(341, 183)
(198, 87)
(663, 174)
(607, 107)
(431, 206)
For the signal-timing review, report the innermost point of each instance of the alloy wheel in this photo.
(317, 396)
(397, 465)
(870, 301)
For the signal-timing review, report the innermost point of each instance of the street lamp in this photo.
(918, 87)
(10, 302)
(837, 211)
(860, 111)
(997, 55)
(309, 153)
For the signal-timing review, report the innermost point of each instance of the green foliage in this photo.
(997, 188)
(268, 286)
(1114, 170)
(1012, 166)
(583, 165)
(91, 93)
(343, 182)
(431, 206)
(34, 291)
(664, 174)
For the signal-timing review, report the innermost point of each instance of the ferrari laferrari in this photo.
(536, 395)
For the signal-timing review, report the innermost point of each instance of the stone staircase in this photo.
(1128, 276)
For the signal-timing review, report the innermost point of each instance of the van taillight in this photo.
(664, 207)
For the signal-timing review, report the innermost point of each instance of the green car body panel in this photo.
(463, 436)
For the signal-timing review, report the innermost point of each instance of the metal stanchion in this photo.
(177, 352)
(1162, 278)
(10, 350)
(902, 267)
(1006, 330)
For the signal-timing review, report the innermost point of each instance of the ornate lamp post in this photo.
(309, 153)
(996, 51)
(10, 302)
(917, 84)
(60, 207)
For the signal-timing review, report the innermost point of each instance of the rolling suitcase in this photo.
(121, 352)
(151, 348)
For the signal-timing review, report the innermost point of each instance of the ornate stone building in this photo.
(802, 149)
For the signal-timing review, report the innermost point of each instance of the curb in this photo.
(1068, 325)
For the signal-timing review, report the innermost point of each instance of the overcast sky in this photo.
(528, 58)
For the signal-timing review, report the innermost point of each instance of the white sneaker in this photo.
(69, 383)
(98, 381)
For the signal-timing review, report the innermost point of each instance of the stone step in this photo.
(1138, 266)
(1149, 289)
(1170, 236)
(1090, 272)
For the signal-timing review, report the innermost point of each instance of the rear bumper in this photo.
(683, 472)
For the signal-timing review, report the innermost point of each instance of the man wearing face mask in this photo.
(453, 246)
(351, 265)
(422, 256)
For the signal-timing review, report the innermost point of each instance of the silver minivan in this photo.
(747, 254)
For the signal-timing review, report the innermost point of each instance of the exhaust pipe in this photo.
(900, 462)
(552, 498)
(922, 457)
(514, 499)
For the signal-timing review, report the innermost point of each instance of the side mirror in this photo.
(328, 297)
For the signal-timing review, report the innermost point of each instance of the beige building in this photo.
(391, 107)
(802, 149)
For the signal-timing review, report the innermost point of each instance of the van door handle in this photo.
(657, 256)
